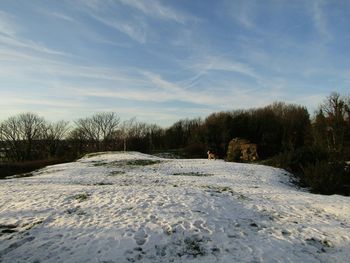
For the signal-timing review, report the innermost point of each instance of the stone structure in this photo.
(242, 150)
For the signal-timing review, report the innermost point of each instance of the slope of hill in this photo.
(131, 207)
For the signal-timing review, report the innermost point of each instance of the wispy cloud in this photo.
(84, 30)
(150, 88)
(136, 25)
(7, 26)
(319, 19)
(17, 42)
(222, 64)
(157, 9)
(9, 37)
(243, 12)
(164, 58)
(10, 100)
(134, 31)
(58, 15)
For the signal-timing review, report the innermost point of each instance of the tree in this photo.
(336, 113)
(220, 128)
(20, 132)
(11, 136)
(296, 125)
(125, 131)
(54, 134)
(99, 129)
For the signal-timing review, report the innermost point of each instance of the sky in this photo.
(161, 61)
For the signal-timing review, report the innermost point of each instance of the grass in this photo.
(321, 244)
(81, 197)
(31, 225)
(12, 228)
(75, 210)
(102, 183)
(141, 162)
(7, 229)
(21, 175)
(193, 246)
(243, 197)
(138, 162)
(116, 173)
(222, 189)
(225, 189)
(99, 163)
(192, 174)
(90, 155)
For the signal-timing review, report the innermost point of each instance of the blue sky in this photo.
(160, 61)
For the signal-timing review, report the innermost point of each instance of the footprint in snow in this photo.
(200, 224)
(140, 237)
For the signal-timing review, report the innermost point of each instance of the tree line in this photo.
(27, 136)
(315, 148)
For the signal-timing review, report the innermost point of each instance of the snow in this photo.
(132, 207)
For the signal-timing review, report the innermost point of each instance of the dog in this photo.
(211, 156)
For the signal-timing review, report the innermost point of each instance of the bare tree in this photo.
(77, 140)
(54, 134)
(20, 132)
(335, 109)
(107, 124)
(11, 137)
(99, 128)
(126, 131)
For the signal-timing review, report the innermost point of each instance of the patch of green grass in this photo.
(218, 189)
(99, 163)
(21, 175)
(123, 163)
(81, 197)
(75, 210)
(223, 189)
(243, 197)
(116, 173)
(141, 162)
(7, 229)
(102, 183)
(29, 226)
(321, 244)
(327, 243)
(193, 246)
(90, 155)
(192, 174)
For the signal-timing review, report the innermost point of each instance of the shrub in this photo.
(12, 168)
(328, 177)
(195, 150)
(296, 161)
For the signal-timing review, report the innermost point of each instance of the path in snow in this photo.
(131, 207)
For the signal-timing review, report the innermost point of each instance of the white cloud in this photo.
(11, 99)
(17, 42)
(58, 15)
(243, 12)
(7, 26)
(9, 36)
(319, 19)
(136, 31)
(134, 25)
(156, 9)
(217, 63)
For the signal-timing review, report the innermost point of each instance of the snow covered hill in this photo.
(131, 207)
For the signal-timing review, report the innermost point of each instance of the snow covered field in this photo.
(131, 207)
